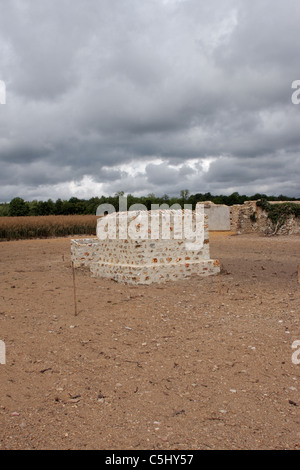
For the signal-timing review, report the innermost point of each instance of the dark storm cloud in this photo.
(146, 97)
(160, 174)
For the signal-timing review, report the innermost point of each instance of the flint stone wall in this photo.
(143, 261)
(249, 218)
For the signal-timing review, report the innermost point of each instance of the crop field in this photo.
(18, 228)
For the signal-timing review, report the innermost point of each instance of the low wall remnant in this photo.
(142, 247)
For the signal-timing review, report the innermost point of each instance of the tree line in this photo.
(19, 207)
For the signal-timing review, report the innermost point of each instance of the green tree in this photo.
(18, 207)
(184, 195)
(4, 209)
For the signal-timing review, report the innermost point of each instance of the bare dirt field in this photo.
(174, 366)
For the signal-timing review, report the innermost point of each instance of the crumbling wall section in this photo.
(250, 218)
(141, 258)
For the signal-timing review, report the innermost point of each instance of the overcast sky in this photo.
(148, 96)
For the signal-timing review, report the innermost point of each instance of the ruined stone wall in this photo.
(248, 218)
(242, 217)
(218, 217)
(141, 259)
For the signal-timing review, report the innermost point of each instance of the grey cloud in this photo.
(161, 174)
(93, 86)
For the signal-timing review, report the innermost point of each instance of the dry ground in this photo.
(175, 366)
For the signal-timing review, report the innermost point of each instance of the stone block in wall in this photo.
(84, 251)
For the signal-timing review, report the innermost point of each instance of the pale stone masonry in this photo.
(249, 217)
(170, 254)
(142, 259)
